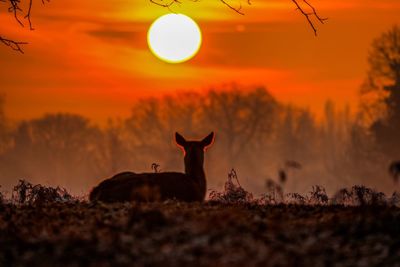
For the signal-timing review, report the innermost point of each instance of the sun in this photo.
(174, 38)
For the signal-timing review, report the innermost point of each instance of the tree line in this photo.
(255, 134)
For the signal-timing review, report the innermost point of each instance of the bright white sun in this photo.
(174, 38)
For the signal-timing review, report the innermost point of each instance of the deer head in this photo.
(194, 152)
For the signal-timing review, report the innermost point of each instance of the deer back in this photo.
(129, 186)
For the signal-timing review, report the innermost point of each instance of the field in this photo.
(214, 233)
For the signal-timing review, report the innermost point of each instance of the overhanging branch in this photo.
(309, 15)
(18, 12)
(15, 9)
(312, 13)
(14, 45)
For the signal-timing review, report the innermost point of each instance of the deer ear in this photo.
(208, 140)
(180, 140)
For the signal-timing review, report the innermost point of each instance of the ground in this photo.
(78, 233)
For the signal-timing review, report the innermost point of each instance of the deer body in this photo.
(189, 186)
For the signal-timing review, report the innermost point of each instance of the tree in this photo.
(384, 81)
(63, 148)
(113, 154)
(242, 119)
(15, 9)
(151, 125)
(296, 134)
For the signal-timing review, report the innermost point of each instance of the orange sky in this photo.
(91, 57)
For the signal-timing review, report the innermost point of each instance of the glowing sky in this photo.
(91, 57)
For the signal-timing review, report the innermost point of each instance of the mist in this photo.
(256, 135)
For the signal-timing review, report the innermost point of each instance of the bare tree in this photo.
(152, 123)
(113, 154)
(243, 119)
(15, 8)
(60, 147)
(384, 59)
(296, 135)
(384, 83)
(379, 89)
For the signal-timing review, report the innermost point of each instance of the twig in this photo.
(237, 10)
(14, 45)
(168, 4)
(15, 9)
(28, 15)
(162, 4)
(308, 15)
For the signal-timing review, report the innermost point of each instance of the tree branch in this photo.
(236, 9)
(309, 15)
(163, 3)
(28, 15)
(14, 45)
(15, 9)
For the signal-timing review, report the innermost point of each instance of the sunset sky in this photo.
(91, 57)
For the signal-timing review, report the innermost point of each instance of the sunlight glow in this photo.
(174, 38)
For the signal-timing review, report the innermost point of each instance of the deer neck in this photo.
(195, 170)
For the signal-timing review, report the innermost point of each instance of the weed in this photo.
(359, 195)
(342, 197)
(155, 167)
(274, 194)
(318, 196)
(295, 198)
(233, 193)
(26, 193)
(395, 199)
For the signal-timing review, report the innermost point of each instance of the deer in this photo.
(189, 186)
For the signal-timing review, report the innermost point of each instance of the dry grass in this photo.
(233, 229)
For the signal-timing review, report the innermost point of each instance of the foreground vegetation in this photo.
(43, 226)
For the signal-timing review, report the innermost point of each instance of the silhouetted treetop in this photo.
(384, 58)
(383, 83)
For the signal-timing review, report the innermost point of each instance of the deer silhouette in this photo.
(142, 187)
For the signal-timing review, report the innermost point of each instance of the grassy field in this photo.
(214, 233)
